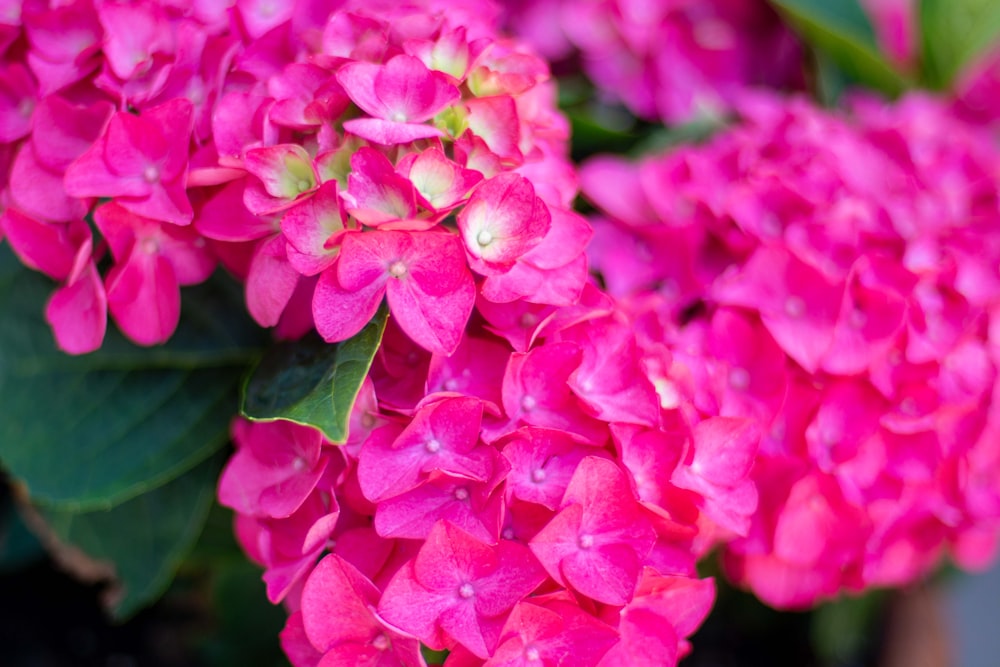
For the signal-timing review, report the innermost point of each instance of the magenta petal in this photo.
(284, 171)
(495, 120)
(39, 192)
(78, 314)
(312, 227)
(379, 194)
(402, 90)
(47, 247)
(144, 297)
(224, 217)
(340, 313)
(335, 604)
(271, 281)
(63, 131)
(390, 133)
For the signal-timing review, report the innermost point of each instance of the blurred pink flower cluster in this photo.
(835, 279)
(671, 60)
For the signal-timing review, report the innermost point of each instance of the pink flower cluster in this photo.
(836, 280)
(329, 159)
(533, 498)
(102, 104)
(667, 61)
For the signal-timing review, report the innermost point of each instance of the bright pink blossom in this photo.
(141, 162)
(460, 587)
(423, 276)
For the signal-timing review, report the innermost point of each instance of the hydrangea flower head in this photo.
(837, 292)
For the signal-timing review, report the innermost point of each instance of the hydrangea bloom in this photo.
(834, 280)
(381, 150)
(668, 61)
(546, 521)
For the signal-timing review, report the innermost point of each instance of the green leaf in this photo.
(843, 630)
(93, 431)
(953, 33)
(18, 545)
(246, 625)
(144, 539)
(841, 30)
(312, 382)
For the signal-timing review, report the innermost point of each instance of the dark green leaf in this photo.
(843, 630)
(246, 625)
(313, 382)
(841, 30)
(18, 545)
(143, 539)
(953, 33)
(93, 431)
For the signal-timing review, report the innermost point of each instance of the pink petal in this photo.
(144, 297)
(271, 281)
(77, 312)
(390, 133)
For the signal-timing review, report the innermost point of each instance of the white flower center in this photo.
(794, 306)
(397, 269)
(739, 378)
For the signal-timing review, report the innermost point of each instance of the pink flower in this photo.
(460, 587)
(597, 542)
(340, 620)
(423, 275)
(152, 261)
(274, 470)
(552, 631)
(140, 161)
(399, 95)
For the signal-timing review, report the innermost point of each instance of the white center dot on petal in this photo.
(151, 174)
(528, 403)
(858, 318)
(484, 238)
(432, 446)
(466, 591)
(397, 269)
(451, 384)
(538, 475)
(381, 642)
(532, 654)
(299, 464)
(461, 494)
(398, 117)
(739, 378)
(794, 306)
(770, 225)
(150, 246)
(586, 541)
(507, 534)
